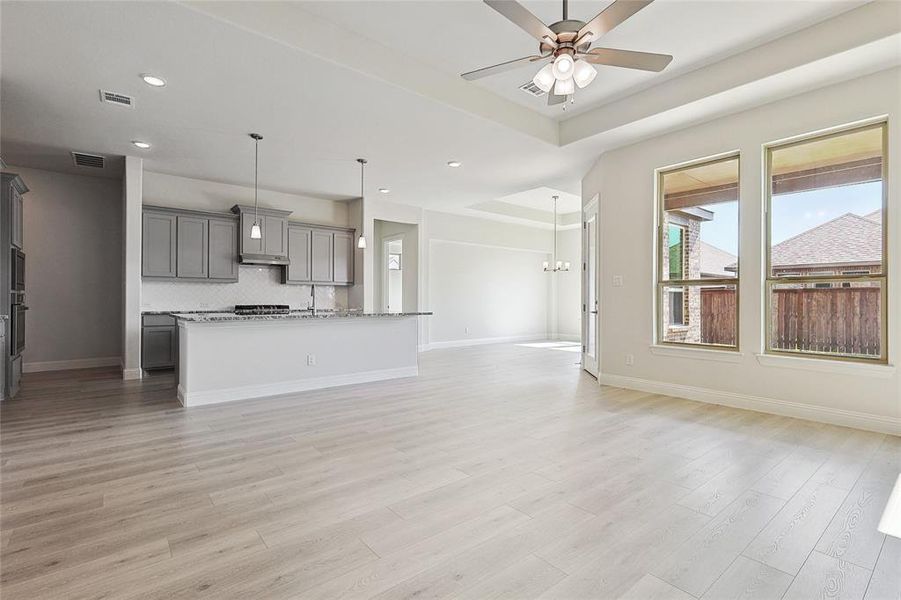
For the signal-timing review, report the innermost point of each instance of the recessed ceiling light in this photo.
(384, 190)
(153, 80)
(140, 144)
(454, 163)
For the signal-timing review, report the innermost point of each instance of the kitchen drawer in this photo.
(158, 321)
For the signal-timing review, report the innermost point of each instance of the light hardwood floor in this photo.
(501, 472)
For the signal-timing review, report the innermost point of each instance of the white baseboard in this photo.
(822, 414)
(128, 374)
(190, 399)
(481, 341)
(64, 365)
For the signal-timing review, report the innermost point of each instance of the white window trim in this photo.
(838, 367)
(703, 353)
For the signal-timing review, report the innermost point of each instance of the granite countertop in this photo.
(217, 317)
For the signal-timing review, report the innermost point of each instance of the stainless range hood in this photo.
(272, 247)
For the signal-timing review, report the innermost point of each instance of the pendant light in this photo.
(361, 243)
(255, 232)
(559, 265)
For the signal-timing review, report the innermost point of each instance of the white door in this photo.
(590, 321)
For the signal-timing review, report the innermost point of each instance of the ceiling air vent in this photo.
(82, 159)
(530, 88)
(117, 99)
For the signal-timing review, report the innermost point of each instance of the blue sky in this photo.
(794, 213)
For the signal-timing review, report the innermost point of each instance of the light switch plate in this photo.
(617, 281)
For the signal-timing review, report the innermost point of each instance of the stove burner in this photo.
(262, 309)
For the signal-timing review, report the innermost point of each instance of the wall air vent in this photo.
(82, 159)
(117, 99)
(530, 88)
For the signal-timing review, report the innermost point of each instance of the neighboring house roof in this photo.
(715, 262)
(844, 240)
(875, 216)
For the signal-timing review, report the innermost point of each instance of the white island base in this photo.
(222, 361)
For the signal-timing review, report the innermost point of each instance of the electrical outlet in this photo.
(311, 360)
(630, 360)
(466, 330)
(617, 281)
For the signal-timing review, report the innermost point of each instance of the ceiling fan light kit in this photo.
(583, 73)
(545, 79)
(567, 45)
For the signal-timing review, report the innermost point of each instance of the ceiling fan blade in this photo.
(553, 99)
(610, 17)
(523, 18)
(500, 68)
(628, 59)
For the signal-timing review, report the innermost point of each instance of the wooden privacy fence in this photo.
(837, 320)
(718, 316)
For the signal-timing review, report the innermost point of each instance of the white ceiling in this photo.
(322, 96)
(541, 199)
(458, 36)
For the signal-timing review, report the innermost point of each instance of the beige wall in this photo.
(624, 181)
(73, 248)
(183, 192)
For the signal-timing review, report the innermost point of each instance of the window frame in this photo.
(771, 280)
(661, 284)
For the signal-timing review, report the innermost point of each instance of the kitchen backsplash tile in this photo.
(256, 285)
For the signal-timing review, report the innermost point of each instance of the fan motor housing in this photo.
(566, 31)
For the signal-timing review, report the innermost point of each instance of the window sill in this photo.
(729, 356)
(825, 365)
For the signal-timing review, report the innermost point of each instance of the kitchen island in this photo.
(225, 357)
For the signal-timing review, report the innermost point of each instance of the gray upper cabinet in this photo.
(275, 238)
(300, 270)
(323, 256)
(158, 257)
(343, 258)
(192, 248)
(223, 250)
(248, 244)
(272, 247)
(190, 245)
(319, 255)
(17, 234)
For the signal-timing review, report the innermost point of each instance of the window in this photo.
(697, 272)
(827, 245)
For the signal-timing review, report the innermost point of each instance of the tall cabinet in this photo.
(12, 300)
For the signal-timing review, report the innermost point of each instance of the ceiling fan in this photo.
(566, 48)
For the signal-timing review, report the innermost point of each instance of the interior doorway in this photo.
(590, 288)
(393, 274)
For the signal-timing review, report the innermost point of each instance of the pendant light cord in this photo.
(256, 178)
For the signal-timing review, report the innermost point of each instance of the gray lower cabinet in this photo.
(223, 249)
(192, 248)
(323, 256)
(159, 342)
(15, 375)
(159, 242)
(300, 270)
(343, 257)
